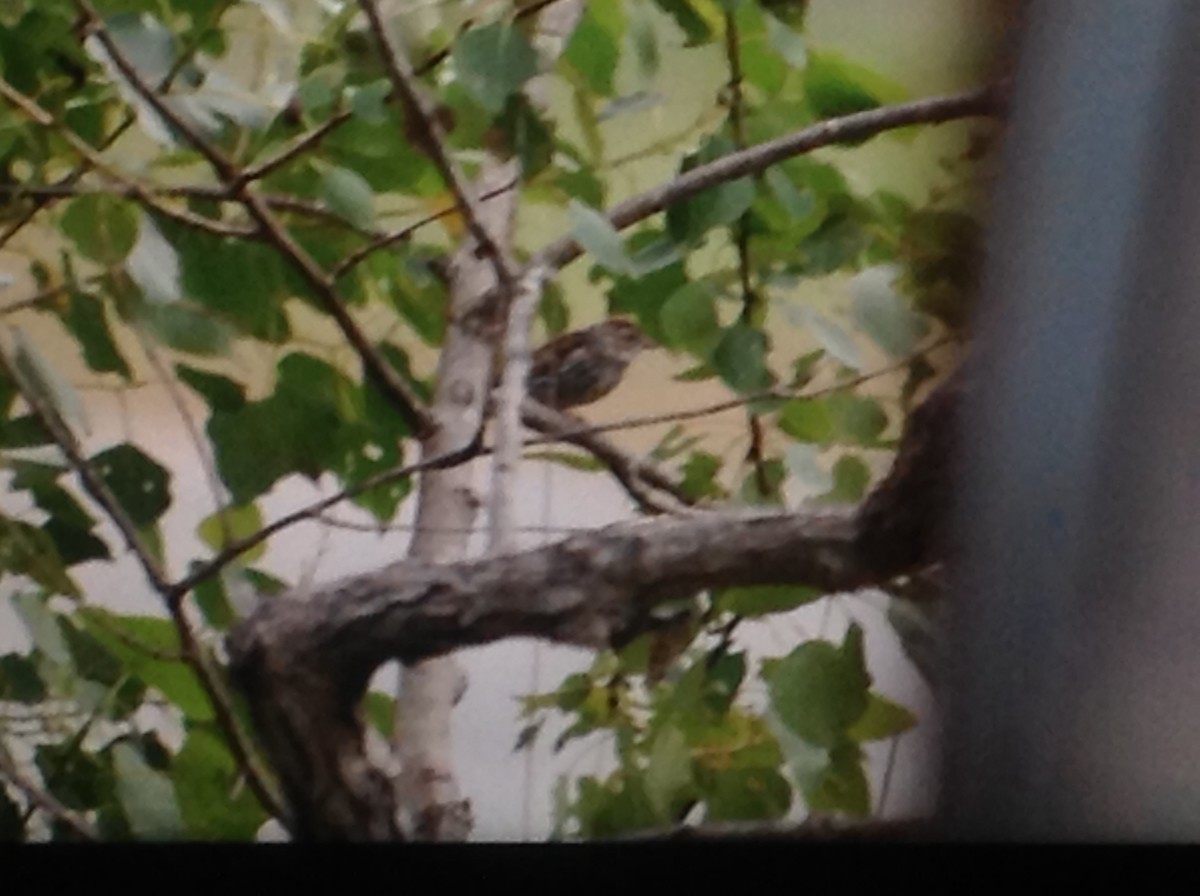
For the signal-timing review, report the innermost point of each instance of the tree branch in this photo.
(853, 128)
(429, 133)
(398, 392)
(97, 489)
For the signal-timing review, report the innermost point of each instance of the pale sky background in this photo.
(930, 47)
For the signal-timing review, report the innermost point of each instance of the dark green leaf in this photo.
(220, 393)
(19, 680)
(214, 604)
(526, 135)
(29, 551)
(140, 484)
(694, 26)
(741, 358)
(84, 316)
(716, 207)
(835, 86)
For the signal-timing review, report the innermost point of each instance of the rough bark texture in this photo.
(304, 660)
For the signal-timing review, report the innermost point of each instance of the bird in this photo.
(583, 366)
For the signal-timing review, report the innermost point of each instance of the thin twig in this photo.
(428, 131)
(387, 239)
(72, 176)
(97, 489)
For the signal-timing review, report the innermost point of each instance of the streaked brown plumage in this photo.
(583, 366)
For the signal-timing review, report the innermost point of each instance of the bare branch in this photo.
(429, 133)
(846, 129)
(638, 477)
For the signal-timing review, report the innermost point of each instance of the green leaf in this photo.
(146, 796)
(882, 719)
(842, 787)
(595, 45)
(213, 803)
(348, 194)
(19, 680)
(231, 524)
(835, 86)
(553, 310)
(763, 600)
(103, 228)
(29, 551)
(140, 484)
(747, 794)
(808, 420)
(85, 317)
(715, 207)
(599, 238)
(689, 319)
(819, 690)
(700, 476)
(141, 643)
(695, 26)
(668, 776)
(380, 710)
(859, 420)
(219, 392)
(884, 315)
(493, 62)
(526, 135)
(851, 476)
(241, 281)
(79, 780)
(214, 603)
(740, 358)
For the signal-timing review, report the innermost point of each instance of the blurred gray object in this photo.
(1075, 667)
